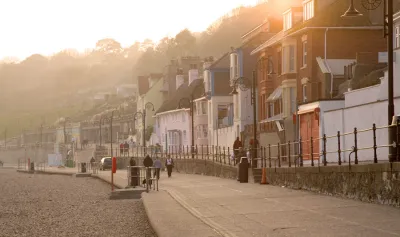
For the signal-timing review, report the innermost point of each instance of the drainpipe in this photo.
(326, 63)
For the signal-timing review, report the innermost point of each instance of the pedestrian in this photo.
(157, 166)
(121, 149)
(236, 145)
(92, 163)
(134, 172)
(169, 163)
(126, 146)
(147, 162)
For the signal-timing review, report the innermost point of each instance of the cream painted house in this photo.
(156, 97)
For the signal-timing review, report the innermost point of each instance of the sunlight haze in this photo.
(48, 26)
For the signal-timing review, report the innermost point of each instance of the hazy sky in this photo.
(48, 26)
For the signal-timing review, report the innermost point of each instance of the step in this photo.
(127, 193)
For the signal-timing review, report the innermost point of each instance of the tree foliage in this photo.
(41, 83)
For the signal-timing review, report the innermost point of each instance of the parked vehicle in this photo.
(105, 163)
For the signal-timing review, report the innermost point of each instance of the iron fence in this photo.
(358, 146)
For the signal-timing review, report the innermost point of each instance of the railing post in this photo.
(324, 152)
(212, 152)
(301, 152)
(208, 153)
(312, 151)
(279, 155)
(269, 155)
(224, 156)
(290, 162)
(229, 156)
(202, 152)
(355, 147)
(197, 153)
(339, 151)
(264, 158)
(220, 155)
(398, 140)
(374, 140)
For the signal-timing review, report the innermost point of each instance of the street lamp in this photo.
(388, 33)
(189, 102)
(244, 84)
(147, 106)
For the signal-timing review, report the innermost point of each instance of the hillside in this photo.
(48, 87)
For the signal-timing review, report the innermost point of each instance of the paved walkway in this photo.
(227, 208)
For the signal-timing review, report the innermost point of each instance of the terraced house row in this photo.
(308, 71)
(313, 69)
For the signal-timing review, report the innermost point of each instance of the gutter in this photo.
(170, 111)
(327, 65)
(321, 28)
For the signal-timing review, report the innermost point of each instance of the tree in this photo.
(185, 42)
(108, 46)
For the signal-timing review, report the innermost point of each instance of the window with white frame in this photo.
(234, 63)
(284, 59)
(205, 131)
(183, 117)
(292, 100)
(308, 10)
(304, 93)
(304, 53)
(291, 58)
(397, 37)
(203, 107)
(287, 20)
(184, 135)
(271, 109)
(209, 81)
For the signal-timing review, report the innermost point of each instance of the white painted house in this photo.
(220, 104)
(173, 128)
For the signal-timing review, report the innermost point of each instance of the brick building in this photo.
(314, 44)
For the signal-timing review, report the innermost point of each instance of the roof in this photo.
(334, 66)
(254, 29)
(222, 62)
(274, 39)
(143, 85)
(330, 16)
(184, 91)
(222, 84)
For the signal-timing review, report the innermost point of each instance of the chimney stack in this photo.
(193, 73)
(180, 78)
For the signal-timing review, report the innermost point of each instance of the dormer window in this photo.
(308, 9)
(287, 20)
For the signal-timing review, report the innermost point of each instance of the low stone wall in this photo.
(204, 167)
(379, 183)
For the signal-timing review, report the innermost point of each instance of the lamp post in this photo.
(189, 102)
(244, 83)
(388, 33)
(66, 119)
(147, 106)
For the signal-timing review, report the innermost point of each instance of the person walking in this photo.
(157, 166)
(134, 172)
(169, 163)
(147, 162)
(236, 145)
(126, 146)
(121, 149)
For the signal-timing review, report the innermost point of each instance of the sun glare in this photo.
(46, 26)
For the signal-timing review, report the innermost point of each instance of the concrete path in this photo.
(210, 206)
